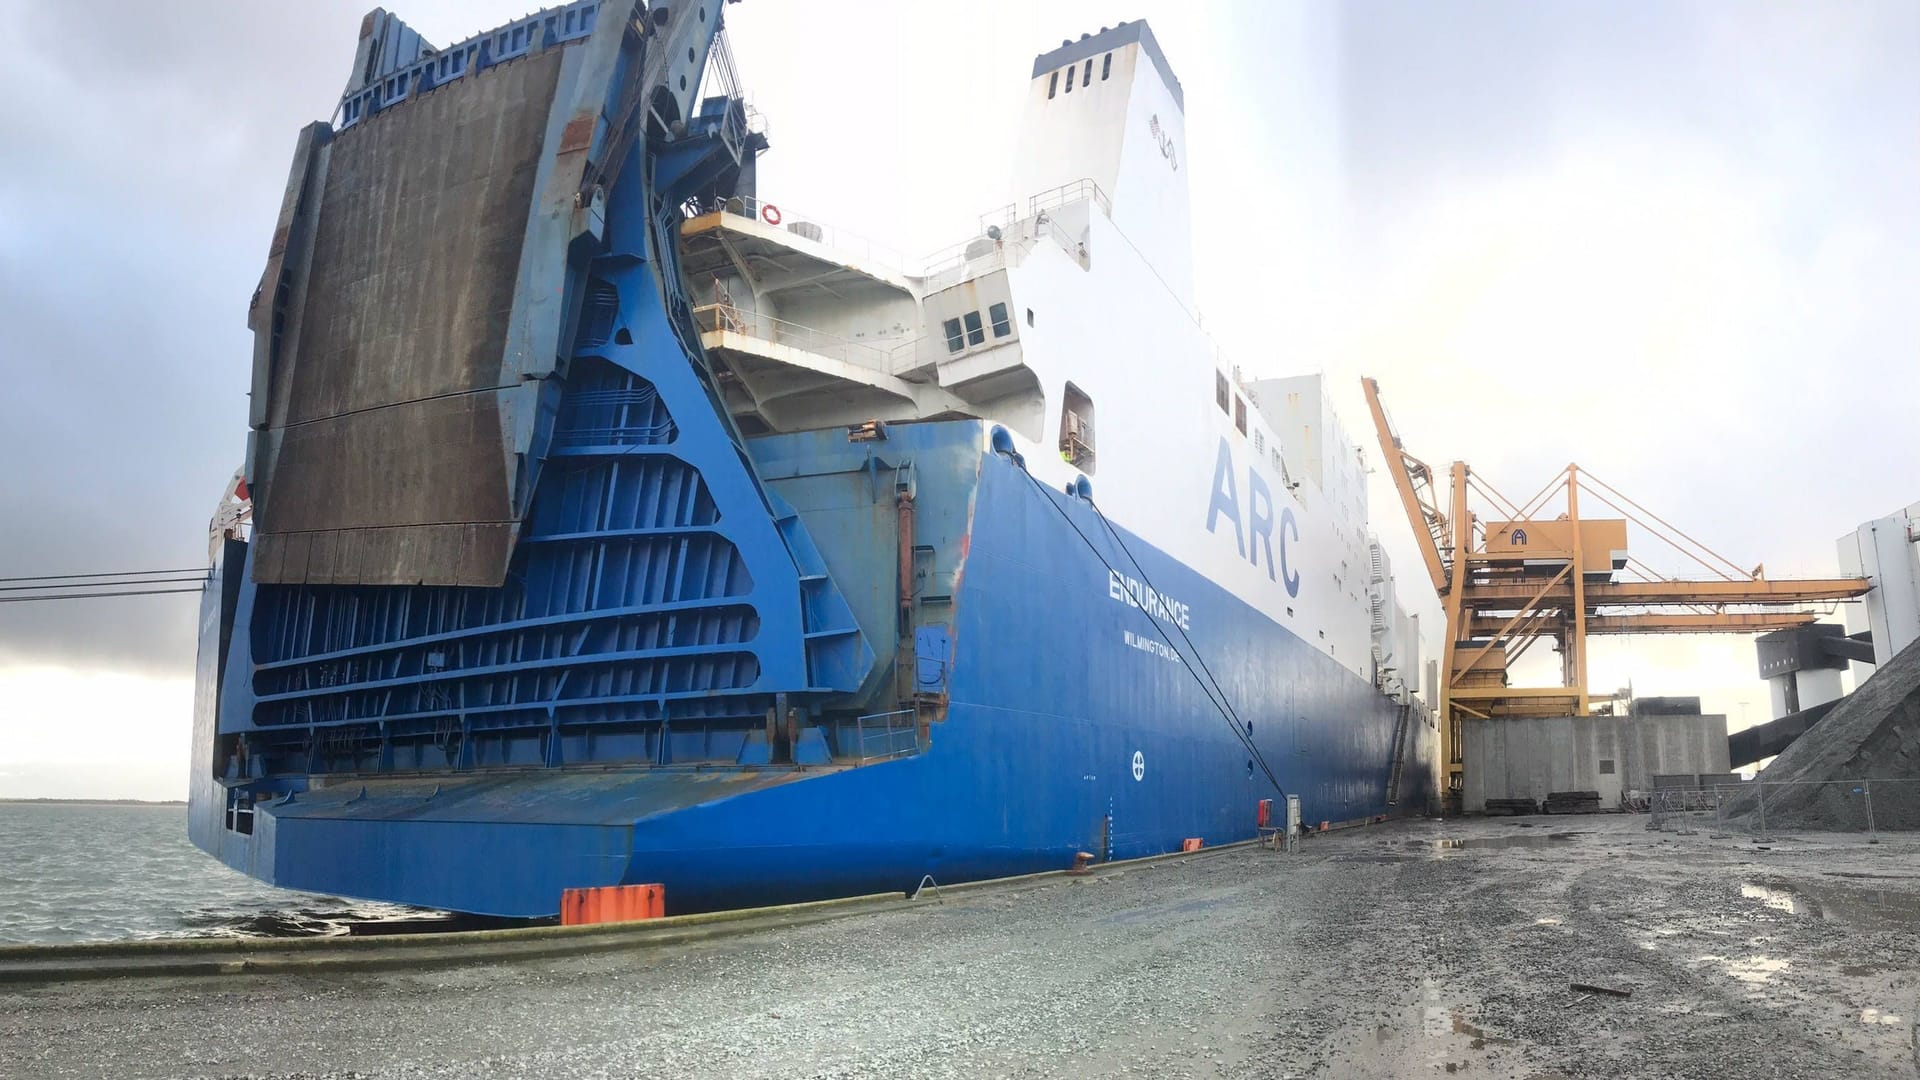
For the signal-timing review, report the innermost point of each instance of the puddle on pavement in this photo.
(1842, 904)
(1517, 840)
(1885, 906)
(1780, 899)
(1478, 1038)
(1752, 970)
(1442, 1021)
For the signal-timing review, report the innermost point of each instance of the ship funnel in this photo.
(1108, 109)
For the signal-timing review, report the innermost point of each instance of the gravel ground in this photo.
(1385, 952)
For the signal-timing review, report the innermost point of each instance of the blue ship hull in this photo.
(1049, 704)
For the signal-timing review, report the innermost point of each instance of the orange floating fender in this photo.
(612, 903)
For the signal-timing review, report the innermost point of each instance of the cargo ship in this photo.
(604, 522)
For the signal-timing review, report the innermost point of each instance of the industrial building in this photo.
(1531, 758)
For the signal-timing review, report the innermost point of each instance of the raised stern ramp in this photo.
(501, 521)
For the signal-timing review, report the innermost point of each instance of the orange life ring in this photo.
(770, 214)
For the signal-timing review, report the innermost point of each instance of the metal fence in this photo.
(879, 736)
(1763, 809)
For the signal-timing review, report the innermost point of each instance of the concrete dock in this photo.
(1406, 950)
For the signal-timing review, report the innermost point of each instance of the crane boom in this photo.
(1414, 480)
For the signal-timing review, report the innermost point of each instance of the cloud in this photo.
(75, 731)
(1675, 243)
(140, 178)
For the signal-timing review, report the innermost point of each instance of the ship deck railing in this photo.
(725, 318)
(805, 226)
(882, 736)
(961, 262)
(1004, 217)
(982, 255)
(947, 266)
(1071, 192)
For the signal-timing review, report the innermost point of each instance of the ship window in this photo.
(955, 342)
(1002, 326)
(1606, 766)
(975, 335)
(1076, 428)
(1053, 83)
(1240, 414)
(1220, 391)
(1086, 77)
(1106, 67)
(1029, 316)
(1069, 80)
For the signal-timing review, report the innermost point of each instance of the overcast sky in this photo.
(1679, 243)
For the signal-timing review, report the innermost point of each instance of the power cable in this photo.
(199, 570)
(94, 595)
(93, 585)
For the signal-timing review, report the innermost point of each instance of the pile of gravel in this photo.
(1873, 734)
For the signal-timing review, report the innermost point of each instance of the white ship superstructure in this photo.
(1070, 320)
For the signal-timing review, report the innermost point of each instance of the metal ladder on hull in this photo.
(1399, 754)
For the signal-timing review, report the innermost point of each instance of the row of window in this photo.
(967, 329)
(1236, 406)
(1224, 396)
(1086, 76)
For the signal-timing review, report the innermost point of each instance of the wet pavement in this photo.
(1410, 950)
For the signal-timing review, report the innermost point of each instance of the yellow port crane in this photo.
(1523, 573)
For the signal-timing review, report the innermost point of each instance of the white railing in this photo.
(776, 216)
(952, 265)
(942, 263)
(1000, 217)
(1072, 191)
(724, 317)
